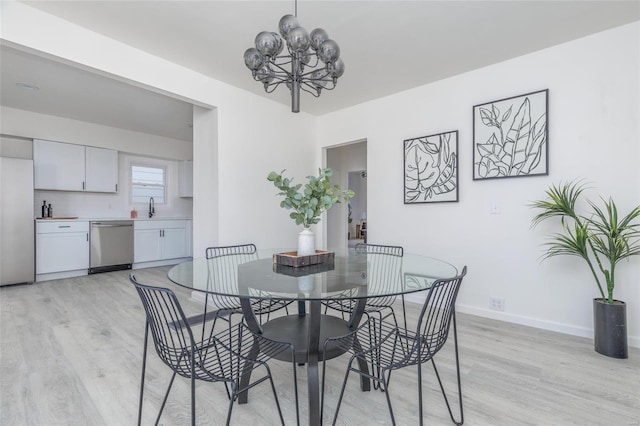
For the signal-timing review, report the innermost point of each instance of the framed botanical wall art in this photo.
(431, 168)
(510, 137)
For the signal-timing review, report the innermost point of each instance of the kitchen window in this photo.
(147, 182)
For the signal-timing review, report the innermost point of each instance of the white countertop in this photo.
(94, 219)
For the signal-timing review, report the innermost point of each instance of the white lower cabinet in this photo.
(160, 240)
(62, 247)
(147, 245)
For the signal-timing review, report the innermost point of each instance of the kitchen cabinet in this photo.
(101, 169)
(156, 240)
(189, 227)
(62, 246)
(185, 179)
(67, 167)
(58, 165)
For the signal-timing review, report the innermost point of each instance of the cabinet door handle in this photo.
(64, 226)
(116, 187)
(83, 186)
(87, 236)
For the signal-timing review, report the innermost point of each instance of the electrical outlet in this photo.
(495, 207)
(496, 304)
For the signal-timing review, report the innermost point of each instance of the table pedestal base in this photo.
(295, 329)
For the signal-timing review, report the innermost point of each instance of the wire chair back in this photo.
(174, 345)
(435, 318)
(379, 249)
(223, 270)
(384, 265)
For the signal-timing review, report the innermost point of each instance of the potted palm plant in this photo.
(602, 238)
(318, 196)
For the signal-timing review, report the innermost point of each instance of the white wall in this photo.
(594, 112)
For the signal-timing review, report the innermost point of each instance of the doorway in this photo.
(345, 220)
(357, 218)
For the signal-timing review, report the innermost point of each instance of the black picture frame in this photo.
(431, 168)
(511, 137)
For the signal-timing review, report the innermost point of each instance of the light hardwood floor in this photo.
(71, 354)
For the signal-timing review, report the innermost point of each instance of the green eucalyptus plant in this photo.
(317, 196)
(601, 238)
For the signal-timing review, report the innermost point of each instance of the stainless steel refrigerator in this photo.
(17, 252)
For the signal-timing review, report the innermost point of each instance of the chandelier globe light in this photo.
(312, 63)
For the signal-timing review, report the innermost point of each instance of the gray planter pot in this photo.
(610, 328)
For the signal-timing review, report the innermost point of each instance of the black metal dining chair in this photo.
(383, 270)
(394, 348)
(225, 272)
(384, 264)
(221, 357)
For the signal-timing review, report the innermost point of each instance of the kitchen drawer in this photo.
(62, 226)
(160, 224)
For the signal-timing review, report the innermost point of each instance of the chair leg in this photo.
(420, 390)
(382, 383)
(233, 398)
(446, 400)
(193, 386)
(144, 367)
(295, 386)
(375, 370)
(344, 385)
(275, 395)
(324, 375)
(404, 313)
(166, 395)
(385, 385)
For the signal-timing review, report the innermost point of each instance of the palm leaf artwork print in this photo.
(431, 168)
(510, 137)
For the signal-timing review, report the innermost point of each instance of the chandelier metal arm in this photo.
(314, 91)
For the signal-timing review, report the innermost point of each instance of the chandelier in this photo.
(313, 61)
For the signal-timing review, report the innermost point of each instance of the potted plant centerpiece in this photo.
(602, 239)
(318, 196)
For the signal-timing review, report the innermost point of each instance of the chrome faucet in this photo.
(152, 209)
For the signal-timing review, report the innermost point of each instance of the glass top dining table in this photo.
(262, 278)
(351, 276)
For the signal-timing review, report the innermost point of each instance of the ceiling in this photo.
(387, 46)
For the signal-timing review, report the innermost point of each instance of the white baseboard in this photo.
(64, 274)
(633, 341)
(159, 263)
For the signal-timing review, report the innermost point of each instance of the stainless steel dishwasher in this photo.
(111, 245)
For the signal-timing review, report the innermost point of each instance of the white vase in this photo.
(306, 243)
(305, 283)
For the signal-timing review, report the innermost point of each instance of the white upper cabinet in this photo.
(101, 169)
(185, 186)
(58, 166)
(68, 167)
